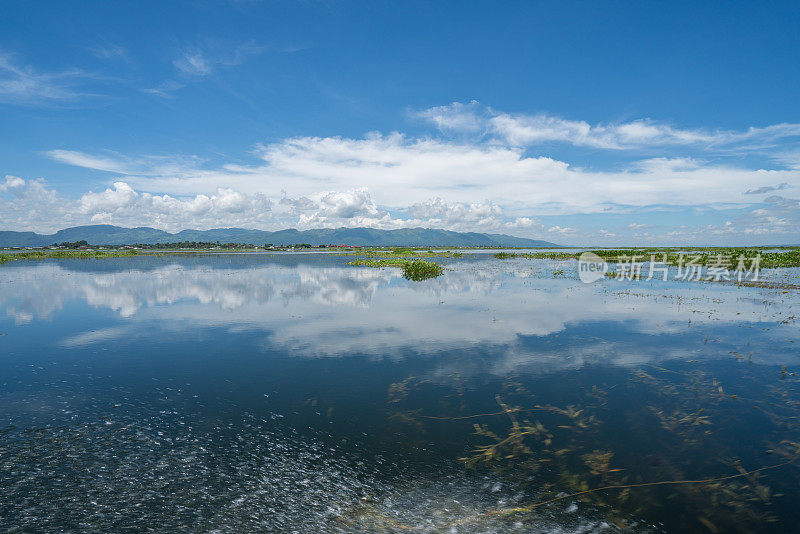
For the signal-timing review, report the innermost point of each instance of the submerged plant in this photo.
(578, 456)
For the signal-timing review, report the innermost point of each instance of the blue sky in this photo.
(580, 123)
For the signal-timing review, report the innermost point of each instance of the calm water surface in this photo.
(229, 393)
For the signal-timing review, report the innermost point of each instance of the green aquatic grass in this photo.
(418, 270)
(379, 263)
(409, 253)
(718, 256)
(573, 450)
(61, 254)
(415, 270)
(505, 255)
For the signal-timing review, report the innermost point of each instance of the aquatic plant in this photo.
(62, 254)
(379, 263)
(418, 270)
(505, 255)
(403, 252)
(414, 270)
(727, 257)
(576, 455)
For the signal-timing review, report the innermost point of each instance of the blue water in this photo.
(218, 393)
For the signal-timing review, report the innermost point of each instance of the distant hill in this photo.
(104, 234)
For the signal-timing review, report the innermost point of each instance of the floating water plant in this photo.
(418, 270)
(415, 270)
(728, 257)
(61, 254)
(379, 263)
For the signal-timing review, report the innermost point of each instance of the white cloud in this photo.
(109, 52)
(12, 183)
(21, 84)
(780, 215)
(120, 164)
(120, 197)
(562, 231)
(531, 130)
(767, 189)
(37, 208)
(348, 204)
(456, 117)
(202, 62)
(437, 208)
(193, 62)
(483, 216)
(165, 89)
(31, 206)
(80, 159)
(466, 184)
(401, 171)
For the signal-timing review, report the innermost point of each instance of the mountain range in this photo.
(103, 234)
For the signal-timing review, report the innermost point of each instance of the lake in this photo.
(293, 392)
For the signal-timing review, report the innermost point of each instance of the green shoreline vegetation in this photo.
(379, 257)
(716, 256)
(61, 254)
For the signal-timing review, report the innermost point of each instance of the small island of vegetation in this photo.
(415, 270)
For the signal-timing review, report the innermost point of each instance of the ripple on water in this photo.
(162, 474)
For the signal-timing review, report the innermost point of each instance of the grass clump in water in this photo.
(719, 256)
(378, 263)
(418, 270)
(62, 254)
(415, 270)
(505, 255)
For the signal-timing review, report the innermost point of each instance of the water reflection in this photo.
(291, 392)
(330, 309)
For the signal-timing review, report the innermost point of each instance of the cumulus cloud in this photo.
(226, 207)
(483, 181)
(31, 205)
(401, 171)
(121, 196)
(12, 183)
(348, 204)
(779, 215)
(35, 207)
(484, 216)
